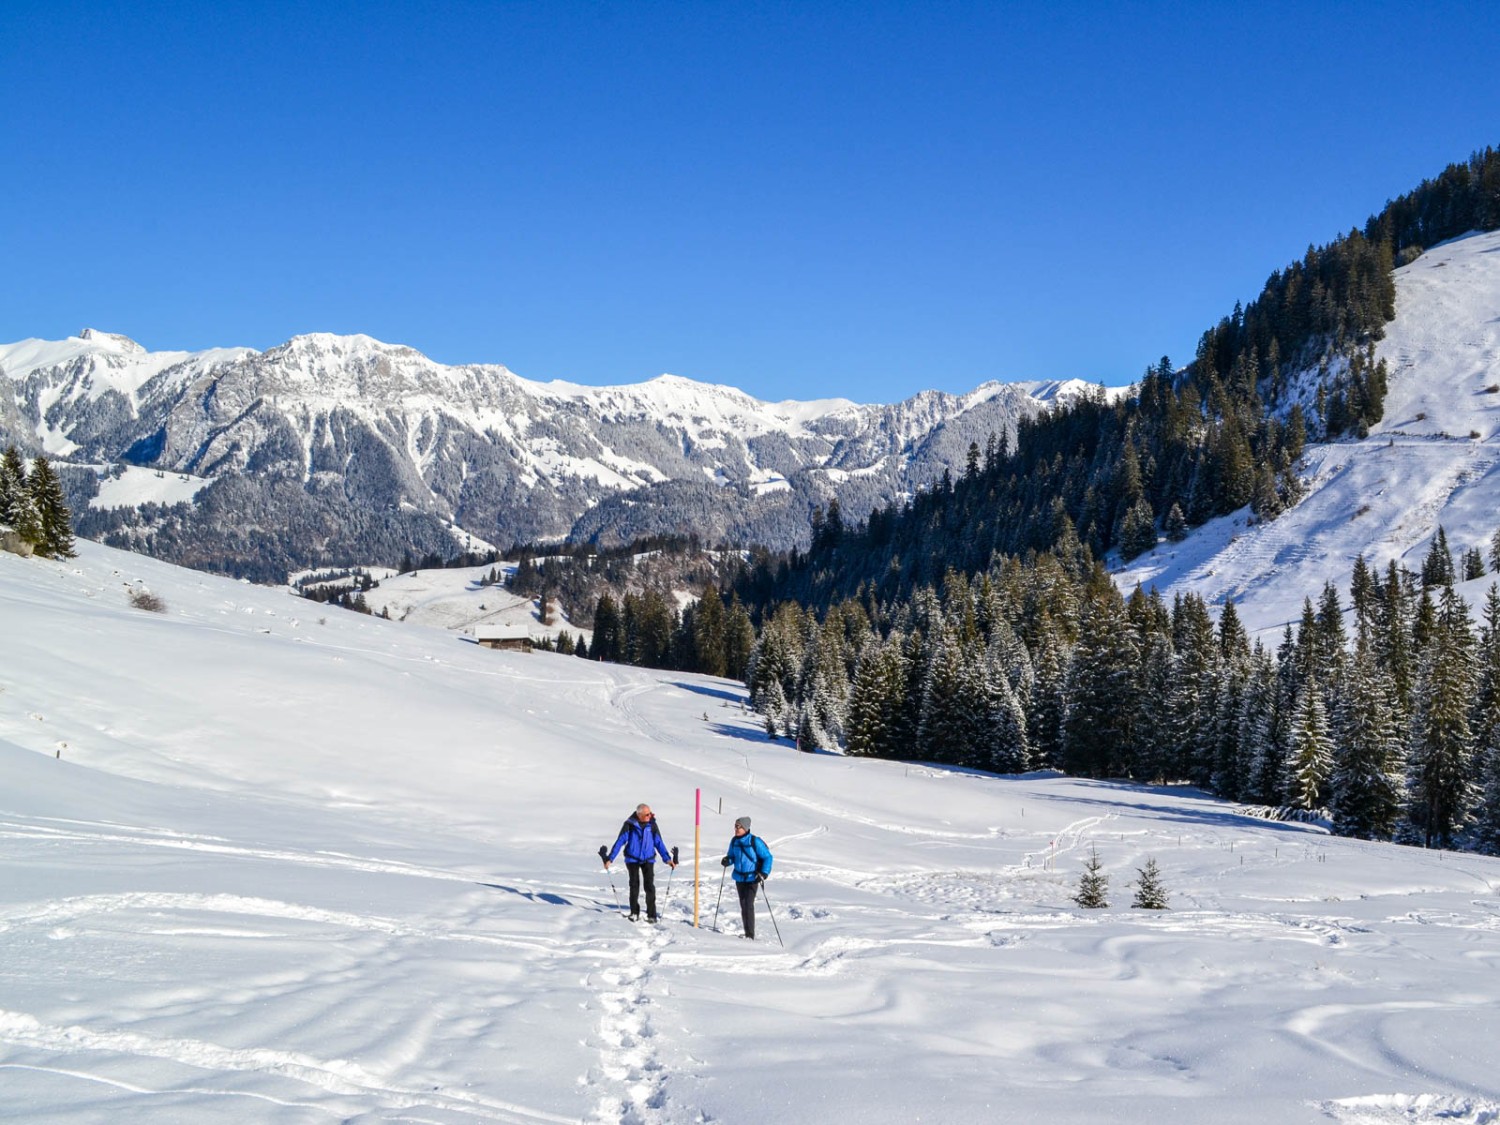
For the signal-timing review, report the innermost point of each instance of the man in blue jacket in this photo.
(751, 860)
(642, 842)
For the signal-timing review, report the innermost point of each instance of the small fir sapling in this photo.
(1149, 893)
(1093, 884)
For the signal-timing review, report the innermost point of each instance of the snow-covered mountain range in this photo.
(1432, 461)
(348, 444)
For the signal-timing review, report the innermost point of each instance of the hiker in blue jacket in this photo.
(641, 839)
(751, 860)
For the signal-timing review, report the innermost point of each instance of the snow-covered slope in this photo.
(1434, 459)
(261, 867)
(359, 426)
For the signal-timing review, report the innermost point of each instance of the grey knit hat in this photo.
(742, 822)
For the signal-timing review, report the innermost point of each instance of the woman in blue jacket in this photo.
(751, 860)
(642, 842)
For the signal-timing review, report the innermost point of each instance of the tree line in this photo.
(32, 506)
(1382, 714)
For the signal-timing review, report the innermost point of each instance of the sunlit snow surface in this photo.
(298, 866)
(1434, 459)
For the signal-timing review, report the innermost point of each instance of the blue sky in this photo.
(802, 200)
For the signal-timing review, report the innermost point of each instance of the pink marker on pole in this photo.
(697, 836)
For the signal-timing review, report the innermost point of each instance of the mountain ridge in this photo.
(364, 427)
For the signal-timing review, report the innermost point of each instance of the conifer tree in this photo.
(1310, 755)
(709, 633)
(1176, 525)
(1395, 638)
(1149, 892)
(739, 640)
(1473, 564)
(773, 705)
(608, 633)
(1100, 699)
(1137, 532)
(1149, 758)
(1366, 784)
(1192, 700)
(1231, 764)
(1437, 566)
(54, 521)
(1362, 590)
(1487, 808)
(1487, 728)
(1093, 884)
(1004, 736)
(1440, 787)
(1258, 731)
(775, 659)
(1330, 643)
(17, 504)
(875, 701)
(1047, 706)
(950, 729)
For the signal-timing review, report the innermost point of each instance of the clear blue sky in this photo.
(802, 200)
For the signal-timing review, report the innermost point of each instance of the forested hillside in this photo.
(1104, 474)
(976, 625)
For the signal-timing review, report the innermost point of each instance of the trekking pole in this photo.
(771, 912)
(670, 873)
(719, 899)
(604, 856)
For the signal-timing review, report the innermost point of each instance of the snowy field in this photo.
(258, 868)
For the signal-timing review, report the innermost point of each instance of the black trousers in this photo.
(642, 873)
(747, 905)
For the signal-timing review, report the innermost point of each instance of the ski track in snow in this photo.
(338, 1077)
(160, 838)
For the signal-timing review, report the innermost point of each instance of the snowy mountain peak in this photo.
(371, 426)
(112, 341)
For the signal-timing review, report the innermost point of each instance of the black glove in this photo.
(725, 862)
(761, 878)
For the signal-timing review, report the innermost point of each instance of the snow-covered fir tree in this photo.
(952, 726)
(18, 509)
(1440, 759)
(1366, 783)
(1487, 727)
(1005, 746)
(1263, 757)
(1231, 763)
(1192, 701)
(1310, 753)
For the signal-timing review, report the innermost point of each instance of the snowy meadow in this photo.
(261, 861)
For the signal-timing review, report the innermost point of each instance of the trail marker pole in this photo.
(697, 838)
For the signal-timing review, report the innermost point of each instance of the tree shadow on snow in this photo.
(531, 896)
(718, 693)
(1224, 816)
